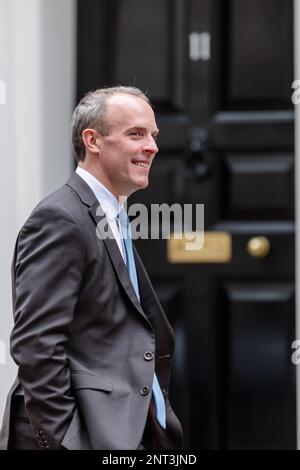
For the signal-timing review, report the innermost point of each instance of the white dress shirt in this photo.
(109, 203)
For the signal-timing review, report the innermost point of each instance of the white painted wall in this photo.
(37, 84)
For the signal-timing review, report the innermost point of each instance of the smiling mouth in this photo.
(142, 164)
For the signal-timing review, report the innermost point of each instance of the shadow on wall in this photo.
(2, 92)
(2, 353)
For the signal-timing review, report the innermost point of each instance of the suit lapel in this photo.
(104, 233)
(154, 309)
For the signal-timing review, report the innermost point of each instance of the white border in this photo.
(297, 196)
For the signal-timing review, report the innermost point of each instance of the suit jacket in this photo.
(81, 338)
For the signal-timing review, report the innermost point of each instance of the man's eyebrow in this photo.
(141, 128)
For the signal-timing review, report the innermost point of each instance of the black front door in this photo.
(219, 75)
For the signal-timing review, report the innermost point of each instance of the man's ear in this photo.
(90, 139)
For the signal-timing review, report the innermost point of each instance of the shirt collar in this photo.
(109, 203)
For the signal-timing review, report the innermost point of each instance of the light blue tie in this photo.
(160, 409)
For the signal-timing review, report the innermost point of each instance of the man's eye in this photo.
(135, 133)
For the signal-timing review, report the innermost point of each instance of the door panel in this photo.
(259, 325)
(259, 60)
(259, 184)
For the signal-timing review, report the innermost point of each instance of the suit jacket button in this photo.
(145, 390)
(148, 356)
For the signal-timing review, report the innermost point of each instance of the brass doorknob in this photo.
(258, 247)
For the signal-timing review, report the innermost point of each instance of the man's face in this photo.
(126, 154)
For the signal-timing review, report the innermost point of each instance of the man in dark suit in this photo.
(91, 341)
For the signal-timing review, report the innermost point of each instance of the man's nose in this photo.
(151, 146)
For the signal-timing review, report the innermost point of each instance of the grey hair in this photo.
(90, 113)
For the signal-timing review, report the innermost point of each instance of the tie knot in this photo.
(124, 225)
(123, 218)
